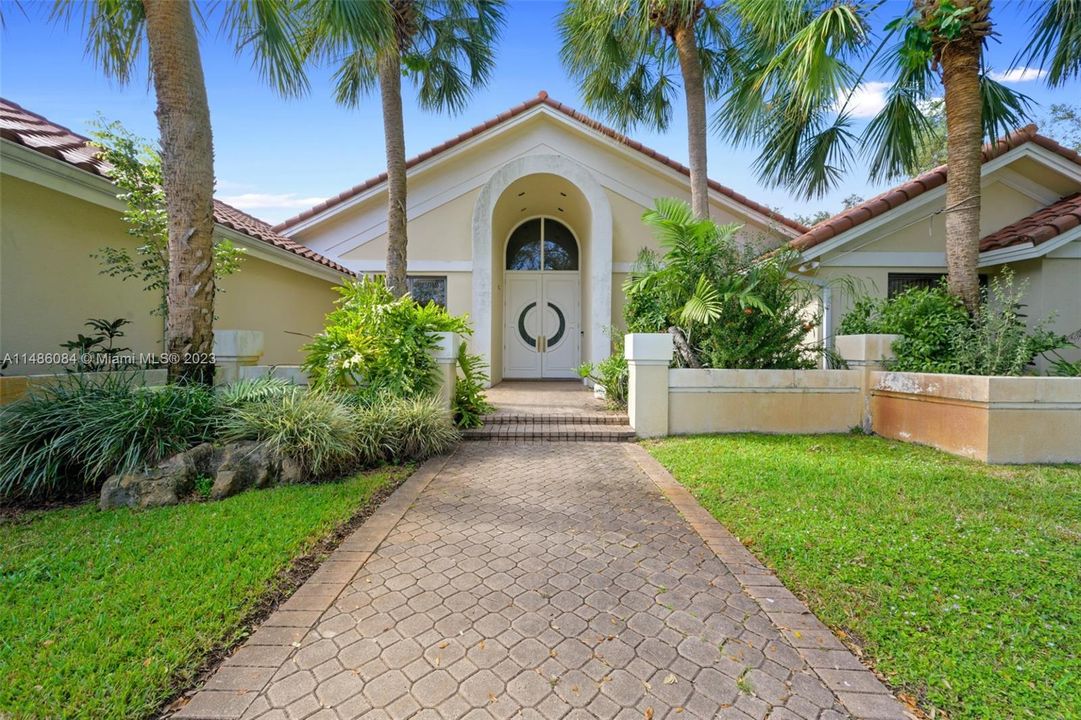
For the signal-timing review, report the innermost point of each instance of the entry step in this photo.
(557, 419)
(534, 431)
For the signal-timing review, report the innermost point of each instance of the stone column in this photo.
(234, 349)
(648, 357)
(446, 364)
(868, 353)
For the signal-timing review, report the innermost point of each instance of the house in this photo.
(1030, 221)
(57, 208)
(530, 223)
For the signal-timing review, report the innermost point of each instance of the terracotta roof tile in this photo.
(910, 189)
(543, 99)
(38, 133)
(1039, 227)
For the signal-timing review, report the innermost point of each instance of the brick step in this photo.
(598, 419)
(551, 431)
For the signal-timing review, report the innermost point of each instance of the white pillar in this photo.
(648, 357)
(446, 366)
(233, 349)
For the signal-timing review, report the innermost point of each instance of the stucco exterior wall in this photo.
(50, 285)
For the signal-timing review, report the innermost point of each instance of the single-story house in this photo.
(57, 208)
(529, 222)
(1030, 221)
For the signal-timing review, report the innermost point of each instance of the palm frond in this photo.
(1055, 44)
(1004, 109)
(704, 304)
(894, 137)
(271, 30)
(115, 30)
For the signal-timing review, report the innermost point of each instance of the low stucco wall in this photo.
(15, 387)
(994, 419)
(766, 401)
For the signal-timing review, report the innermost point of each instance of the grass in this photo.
(106, 614)
(961, 581)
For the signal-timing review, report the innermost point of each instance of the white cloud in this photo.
(867, 99)
(1019, 75)
(278, 201)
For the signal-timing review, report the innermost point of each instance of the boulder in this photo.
(235, 467)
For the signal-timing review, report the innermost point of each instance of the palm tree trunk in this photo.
(964, 138)
(390, 90)
(694, 90)
(187, 156)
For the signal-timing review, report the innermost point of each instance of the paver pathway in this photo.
(542, 581)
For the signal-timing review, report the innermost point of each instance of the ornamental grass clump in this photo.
(422, 427)
(69, 438)
(313, 428)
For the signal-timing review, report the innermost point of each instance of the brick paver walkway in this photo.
(542, 581)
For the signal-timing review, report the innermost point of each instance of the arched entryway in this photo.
(527, 188)
(541, 301)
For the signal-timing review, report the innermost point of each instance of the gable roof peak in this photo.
(545, 102)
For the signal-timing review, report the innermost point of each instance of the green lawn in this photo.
(102, 614)
(961, 581)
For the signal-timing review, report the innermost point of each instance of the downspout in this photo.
(827, 306)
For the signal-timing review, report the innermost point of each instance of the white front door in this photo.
(541, 334)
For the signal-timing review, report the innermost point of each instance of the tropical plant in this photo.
(613, 375)
(134, 166)
(795, 77)
(315, 429)
(625, 55)
(379, 341)
(99, 351)
(447, 47)
(725, 305)
(115, 33)
(68, 438)
(469, 404)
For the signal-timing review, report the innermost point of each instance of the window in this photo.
(542, 243)
(897, 283)
(425, 288)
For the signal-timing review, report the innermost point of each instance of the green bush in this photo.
(939, 336)
(611, 373)
(735, 308)
(470, 405)
(314, 428)
(70, 437)
(251, 390)
(380, 342)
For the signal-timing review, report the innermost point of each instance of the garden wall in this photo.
(994, 419)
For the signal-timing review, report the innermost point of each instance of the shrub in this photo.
(611, 373)
(735, 308)
(70, 437)
(939, 336)
(469, 404)
(314, 428)
(378, 341)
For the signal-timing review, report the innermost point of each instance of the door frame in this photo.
(540, 274)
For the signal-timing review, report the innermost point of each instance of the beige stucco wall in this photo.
(50, 286)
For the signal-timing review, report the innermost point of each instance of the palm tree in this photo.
(447, 47)
(796, 79)
(116, 31)
(624, 54)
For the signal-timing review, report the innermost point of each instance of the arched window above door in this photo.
(542, 243)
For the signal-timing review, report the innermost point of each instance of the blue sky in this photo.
(275, 157)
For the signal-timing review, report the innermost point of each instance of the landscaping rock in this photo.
(292, 472)
(235, 467)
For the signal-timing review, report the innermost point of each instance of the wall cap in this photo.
(648, 348)
(230, 344)
(446, 349)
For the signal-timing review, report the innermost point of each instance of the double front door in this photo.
(540, 325)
